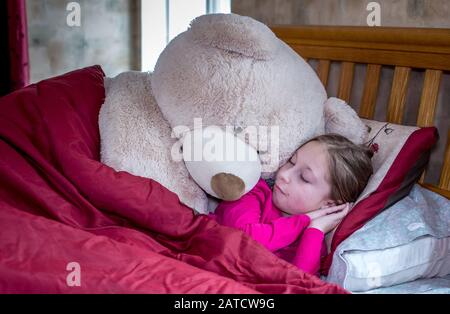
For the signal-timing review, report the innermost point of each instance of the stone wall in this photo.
(404, 13)
(108, 36)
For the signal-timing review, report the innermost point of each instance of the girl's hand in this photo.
(329, 221)
(325, 211)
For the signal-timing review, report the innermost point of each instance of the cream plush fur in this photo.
(232, 70)
(228, 70)
(136, 138)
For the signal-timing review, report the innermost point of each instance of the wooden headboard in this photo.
(403, 48)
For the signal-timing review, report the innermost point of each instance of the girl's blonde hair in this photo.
(350, 167)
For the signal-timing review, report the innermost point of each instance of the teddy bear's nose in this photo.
(227, 186)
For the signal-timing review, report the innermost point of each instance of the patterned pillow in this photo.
(401, 155)
(408, 241)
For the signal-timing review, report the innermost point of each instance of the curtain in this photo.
(14, 57)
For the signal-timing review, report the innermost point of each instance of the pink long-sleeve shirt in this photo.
(288, 237)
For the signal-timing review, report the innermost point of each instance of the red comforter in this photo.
(60, 205)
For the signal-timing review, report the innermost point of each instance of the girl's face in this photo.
(301, 185)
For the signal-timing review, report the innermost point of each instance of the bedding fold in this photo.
(59, 205)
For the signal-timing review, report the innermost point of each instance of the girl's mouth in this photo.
(280, 190)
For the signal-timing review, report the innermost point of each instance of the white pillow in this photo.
(426, 257)
(408, 241)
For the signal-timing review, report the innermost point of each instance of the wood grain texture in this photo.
(444, 182)
(408, 47)
(396, 107)
(370, 92)
(346, 81)
(323, 71)
(428, 101)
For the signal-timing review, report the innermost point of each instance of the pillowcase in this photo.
(408, 241)
(401, 155)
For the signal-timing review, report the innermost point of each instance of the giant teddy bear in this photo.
(231, 74)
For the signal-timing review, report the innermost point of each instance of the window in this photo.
(163, 20)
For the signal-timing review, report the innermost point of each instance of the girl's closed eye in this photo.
(303, 179)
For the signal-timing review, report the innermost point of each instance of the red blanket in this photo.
(59, 205)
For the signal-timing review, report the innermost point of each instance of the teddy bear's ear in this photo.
(340, 118)
(235, 33)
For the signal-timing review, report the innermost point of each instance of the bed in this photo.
(405, 49)
(350, 63)
(73, 225)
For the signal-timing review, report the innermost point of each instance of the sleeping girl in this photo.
(311, 195)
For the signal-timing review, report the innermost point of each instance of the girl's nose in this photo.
(284, 176)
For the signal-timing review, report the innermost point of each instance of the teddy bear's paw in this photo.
(341, 119)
